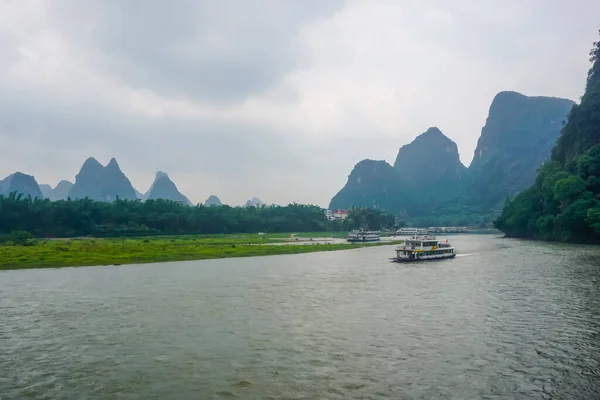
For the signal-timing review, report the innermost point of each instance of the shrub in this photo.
(22, 238)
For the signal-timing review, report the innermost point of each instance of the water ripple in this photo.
(513, 320)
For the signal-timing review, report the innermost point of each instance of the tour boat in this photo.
(363, 236)
(411, 231)
(422, 248)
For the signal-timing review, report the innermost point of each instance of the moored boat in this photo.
(363, 236)
(411, 231)
(423, 248)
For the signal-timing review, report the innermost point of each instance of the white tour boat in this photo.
(422, 248)
(411, 231)
(363, 236)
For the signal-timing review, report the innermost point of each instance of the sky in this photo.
(268, 98)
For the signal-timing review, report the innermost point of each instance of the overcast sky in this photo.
(277, 99)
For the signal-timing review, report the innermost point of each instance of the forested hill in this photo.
(564, 202)
(428, 185)
(517, 138)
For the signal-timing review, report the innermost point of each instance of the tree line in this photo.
(85, 217)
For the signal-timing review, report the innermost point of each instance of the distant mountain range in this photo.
(96, 182)
(102, 183)
(60, 192)
(428, 181)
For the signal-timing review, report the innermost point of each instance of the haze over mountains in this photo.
(213, 201)
(20, 183)
(103, 183)
(429, 181)
(254, 202)
(164, 188)
(60, 192)
(241, 111)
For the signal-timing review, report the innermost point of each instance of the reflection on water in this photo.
(508, 319)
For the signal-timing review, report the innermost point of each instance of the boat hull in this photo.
(363, 240)
(409, 260)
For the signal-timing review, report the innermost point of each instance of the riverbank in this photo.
(93, 251)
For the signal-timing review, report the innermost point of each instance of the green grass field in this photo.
(89, 251)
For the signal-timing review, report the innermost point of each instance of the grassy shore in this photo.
(88, 251)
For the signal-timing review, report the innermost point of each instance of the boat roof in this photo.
(421, 238)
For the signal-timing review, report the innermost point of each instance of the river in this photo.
(505, 319)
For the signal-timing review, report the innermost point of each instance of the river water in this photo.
(506, 319)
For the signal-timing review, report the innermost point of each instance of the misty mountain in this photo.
(424, 169)
(254, 202)
(21, 184)
(139, 195)
(373, 184)
(431, 158)
(164, 188)
(517, 138)
(60, 192)
(46, 190)
(213, 201)
(102, 183)
(428, 179)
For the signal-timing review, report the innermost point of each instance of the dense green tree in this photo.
(568, 189)
(366, 218)
(563, 204)
(67, 218)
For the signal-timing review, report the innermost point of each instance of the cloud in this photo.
(204, 50)
(267, 98)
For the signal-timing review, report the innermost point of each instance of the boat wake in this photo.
(465, 255)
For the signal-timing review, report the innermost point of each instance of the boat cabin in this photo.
(424, 248)
(363, 236)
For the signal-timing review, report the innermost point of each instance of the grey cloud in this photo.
(234, 161)
(231, 160)
(223, 51)
(8, 53)
(209, 50)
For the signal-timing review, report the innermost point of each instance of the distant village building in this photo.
(336, 215)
